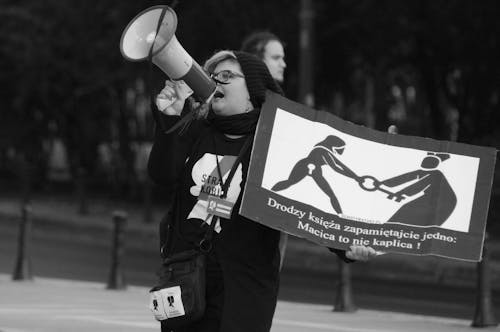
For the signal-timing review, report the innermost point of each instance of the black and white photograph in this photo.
(249, 166)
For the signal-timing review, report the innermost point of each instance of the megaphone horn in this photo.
(145, 33)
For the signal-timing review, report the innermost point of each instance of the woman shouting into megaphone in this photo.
(207, 168)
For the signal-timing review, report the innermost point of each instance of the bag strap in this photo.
(225, 185)
(152, 106)
(191, 115)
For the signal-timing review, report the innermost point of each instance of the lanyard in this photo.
(225, 185)
(205, 244)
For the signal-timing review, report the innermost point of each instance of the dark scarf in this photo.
(238, 124)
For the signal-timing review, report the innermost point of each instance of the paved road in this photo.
(51, 305)
(71, 256)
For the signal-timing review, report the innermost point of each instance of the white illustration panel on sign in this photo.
(362, 180)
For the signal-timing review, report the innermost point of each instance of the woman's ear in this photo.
(249, 106)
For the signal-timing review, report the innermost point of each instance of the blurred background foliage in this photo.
(72, 106)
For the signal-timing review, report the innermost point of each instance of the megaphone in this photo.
(153, 30)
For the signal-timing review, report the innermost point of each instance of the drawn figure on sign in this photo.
(436, 199)
(324, 153)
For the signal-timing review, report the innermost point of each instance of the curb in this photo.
(301, 255)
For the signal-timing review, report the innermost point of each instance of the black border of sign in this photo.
(487, 156)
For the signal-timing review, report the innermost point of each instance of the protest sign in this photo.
(338, 184)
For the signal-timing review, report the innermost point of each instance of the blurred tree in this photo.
(440, 55)
(61, 62)
(427, 66)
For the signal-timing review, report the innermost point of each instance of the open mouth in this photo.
(218, 94)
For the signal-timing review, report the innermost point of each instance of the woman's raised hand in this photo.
(172, 97)
(361, 253)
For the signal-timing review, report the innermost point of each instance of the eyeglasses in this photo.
(224, 76)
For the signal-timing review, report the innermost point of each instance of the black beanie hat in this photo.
(257, 77)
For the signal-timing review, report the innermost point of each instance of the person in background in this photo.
(270, 49)
(242, 272)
